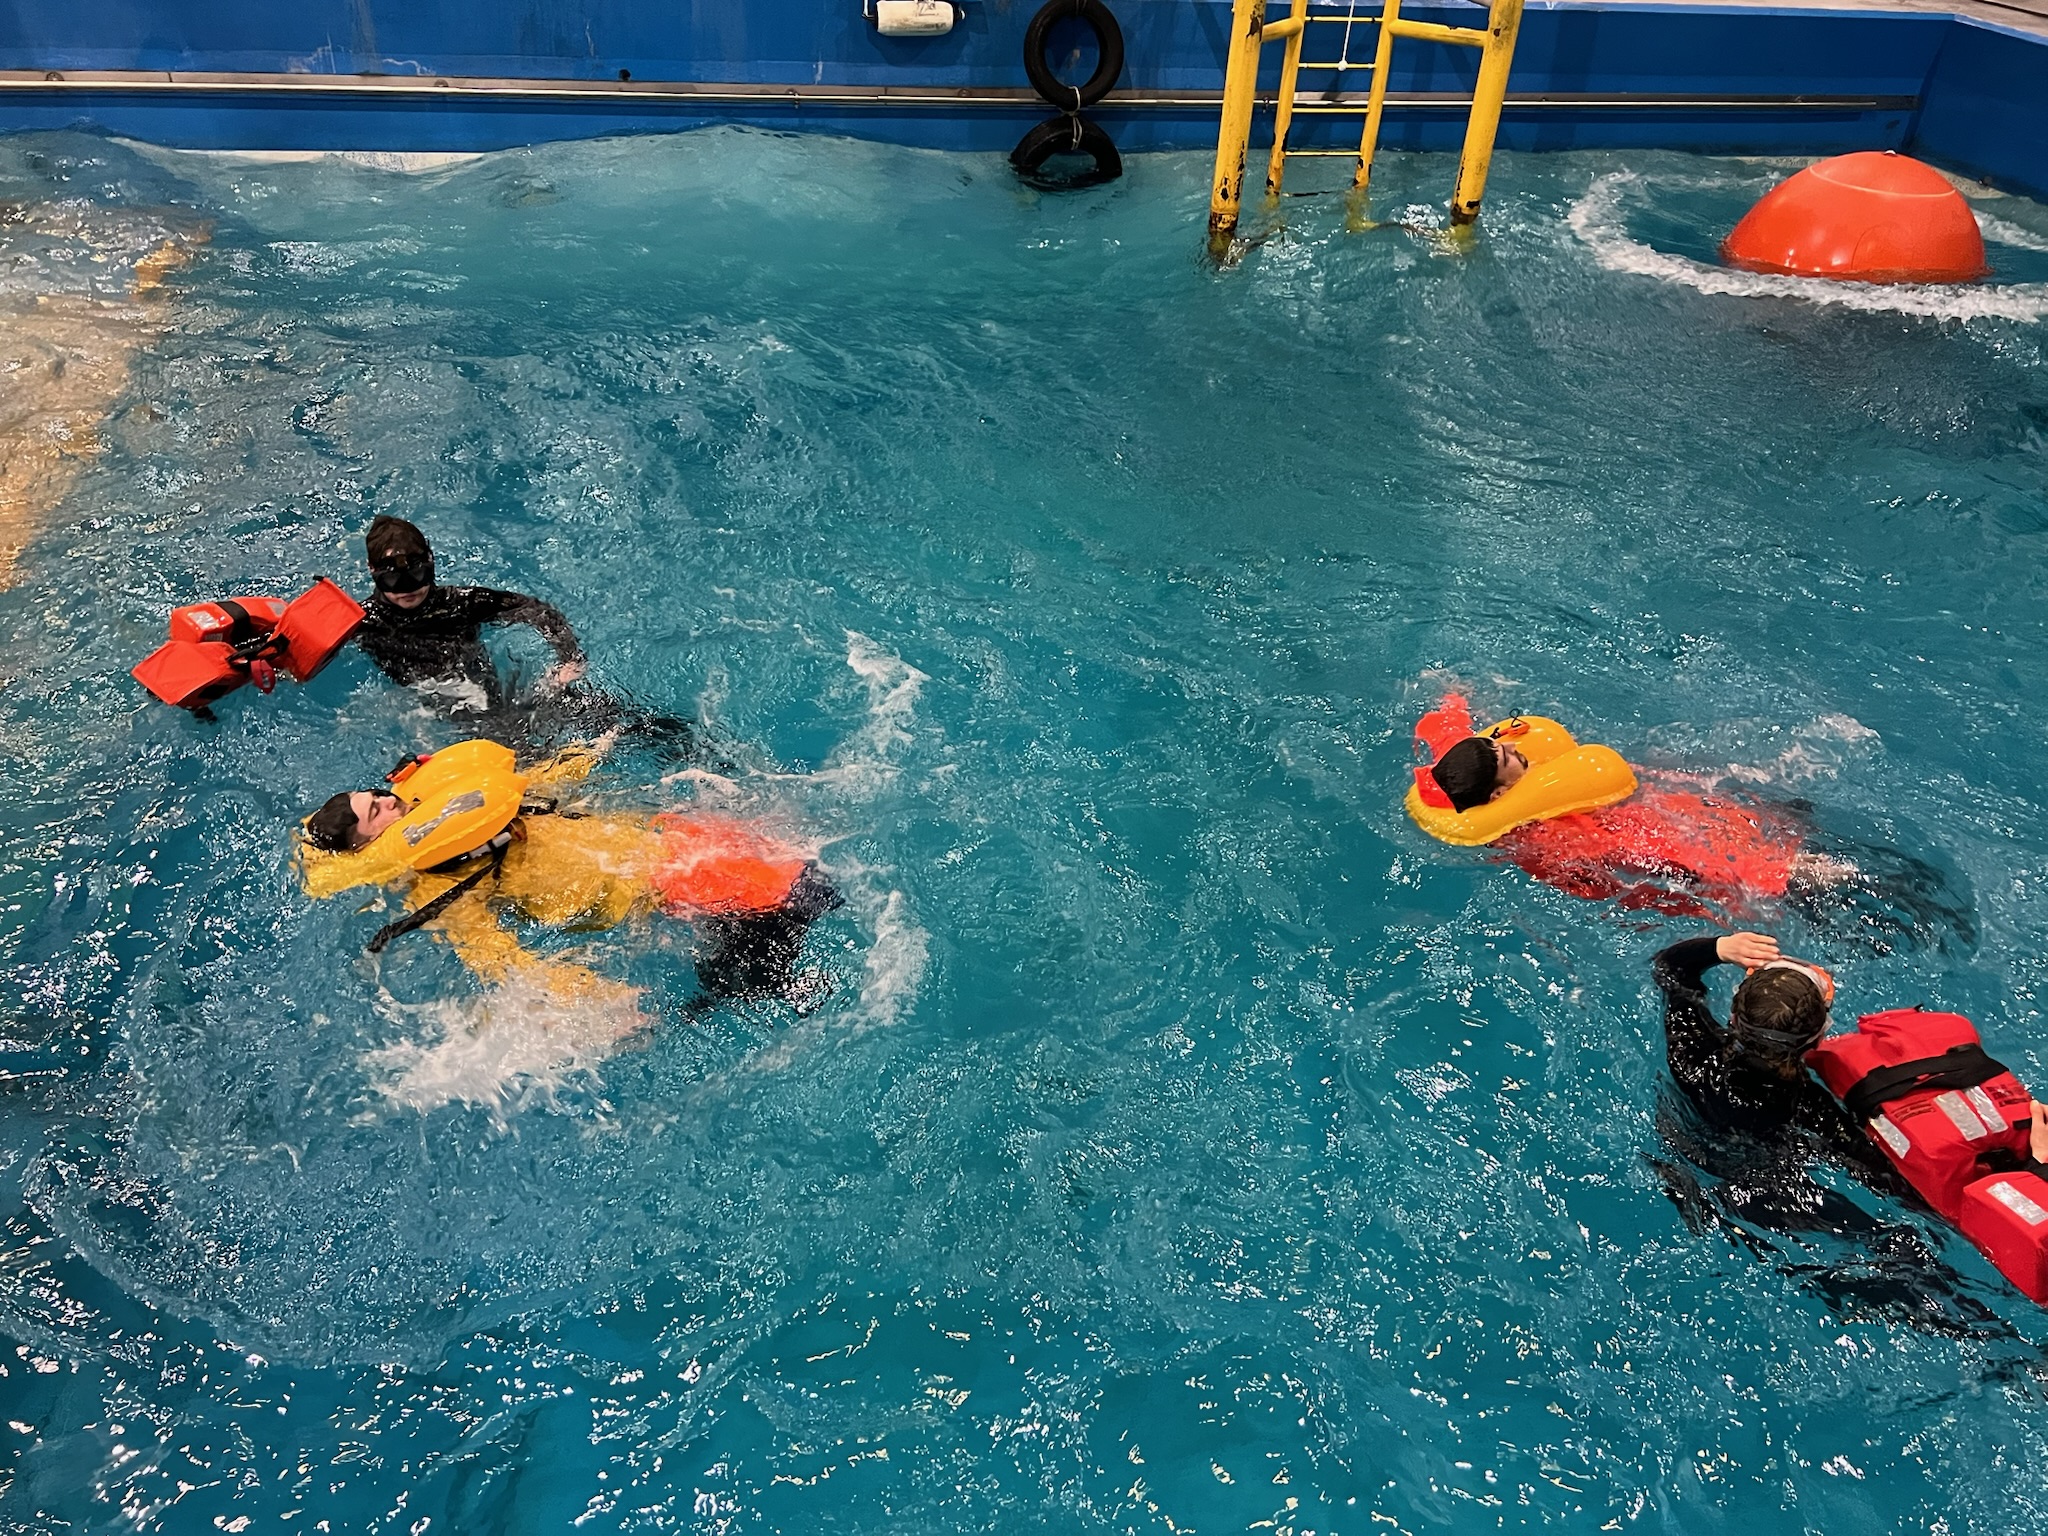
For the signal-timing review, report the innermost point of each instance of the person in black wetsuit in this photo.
(1751, 1075)
(1753, 1119)
(429, 638)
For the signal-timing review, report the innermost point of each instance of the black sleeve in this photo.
(1684, 966)
(1692, 1040)
(488, 606)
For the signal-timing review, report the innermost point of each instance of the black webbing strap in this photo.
(245, 635)
(1961, 1066)
(433, 909)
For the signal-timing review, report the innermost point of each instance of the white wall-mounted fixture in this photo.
(913, 18)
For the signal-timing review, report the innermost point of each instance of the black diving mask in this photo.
(407, 575)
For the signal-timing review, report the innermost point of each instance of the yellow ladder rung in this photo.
(1430, 32)
(1324, 154)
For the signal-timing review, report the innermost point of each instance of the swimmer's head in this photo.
(401, 561)
(353, 819)
(1479, 769)
(1778, 1015)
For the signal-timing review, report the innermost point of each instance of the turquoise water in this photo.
(1185, 1142)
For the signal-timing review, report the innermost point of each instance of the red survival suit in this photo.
(216, 647)
(1954, 1122)
(1670, 850)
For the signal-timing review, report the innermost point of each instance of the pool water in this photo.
(1173, 1138)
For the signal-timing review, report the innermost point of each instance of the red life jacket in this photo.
(216, 647)
(1954, 1122)
(231, 621)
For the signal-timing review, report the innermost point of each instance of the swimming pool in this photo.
(1187, 1142)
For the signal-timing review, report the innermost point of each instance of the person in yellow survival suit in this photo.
(469, 834)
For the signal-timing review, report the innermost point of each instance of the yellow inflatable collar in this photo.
(1563, 777)
(460, 798)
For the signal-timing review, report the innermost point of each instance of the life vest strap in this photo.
(1961, 1066)
(437, 906)
(494, 847)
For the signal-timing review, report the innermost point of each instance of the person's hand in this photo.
(1748, 950)
(562, 674)
(2038, 1137)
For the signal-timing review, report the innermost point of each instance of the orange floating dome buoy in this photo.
(1871, 217)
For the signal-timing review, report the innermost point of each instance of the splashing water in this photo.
(1173, 1136)
(1598, 219)
(519, 1042)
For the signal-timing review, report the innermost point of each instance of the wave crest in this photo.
(1597, 219)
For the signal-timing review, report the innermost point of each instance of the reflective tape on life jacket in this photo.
(1922, 1085)
(232, 620)
(1954, 1122)
(2006, 1216)
(462, 797)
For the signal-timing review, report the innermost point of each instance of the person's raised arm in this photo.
(1691, 1036)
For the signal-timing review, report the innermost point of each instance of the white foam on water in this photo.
(1597, 219)
(855, 774)
(397, 162)
(514, 1045)
(2005, 232)
(897, 956)
(1818, 750)
(892, 972)
(895, 963)
(893, 688)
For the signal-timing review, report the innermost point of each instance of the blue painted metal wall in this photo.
(1984, 91)
(1985, 106)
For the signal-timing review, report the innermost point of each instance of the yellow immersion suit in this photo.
(580, 873)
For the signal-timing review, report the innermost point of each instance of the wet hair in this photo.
(1776, 1018)
(334, 826)
(1467, 772)
(392, 540)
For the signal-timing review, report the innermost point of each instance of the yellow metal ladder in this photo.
(1251, 31)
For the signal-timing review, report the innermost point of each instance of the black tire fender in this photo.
(1109, 44)
(1071, 134)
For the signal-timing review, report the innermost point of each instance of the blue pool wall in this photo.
(378, 75)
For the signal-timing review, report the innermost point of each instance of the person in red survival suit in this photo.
(1673, 849)
(1752, 1119)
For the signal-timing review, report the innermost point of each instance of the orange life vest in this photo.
(216, 647)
